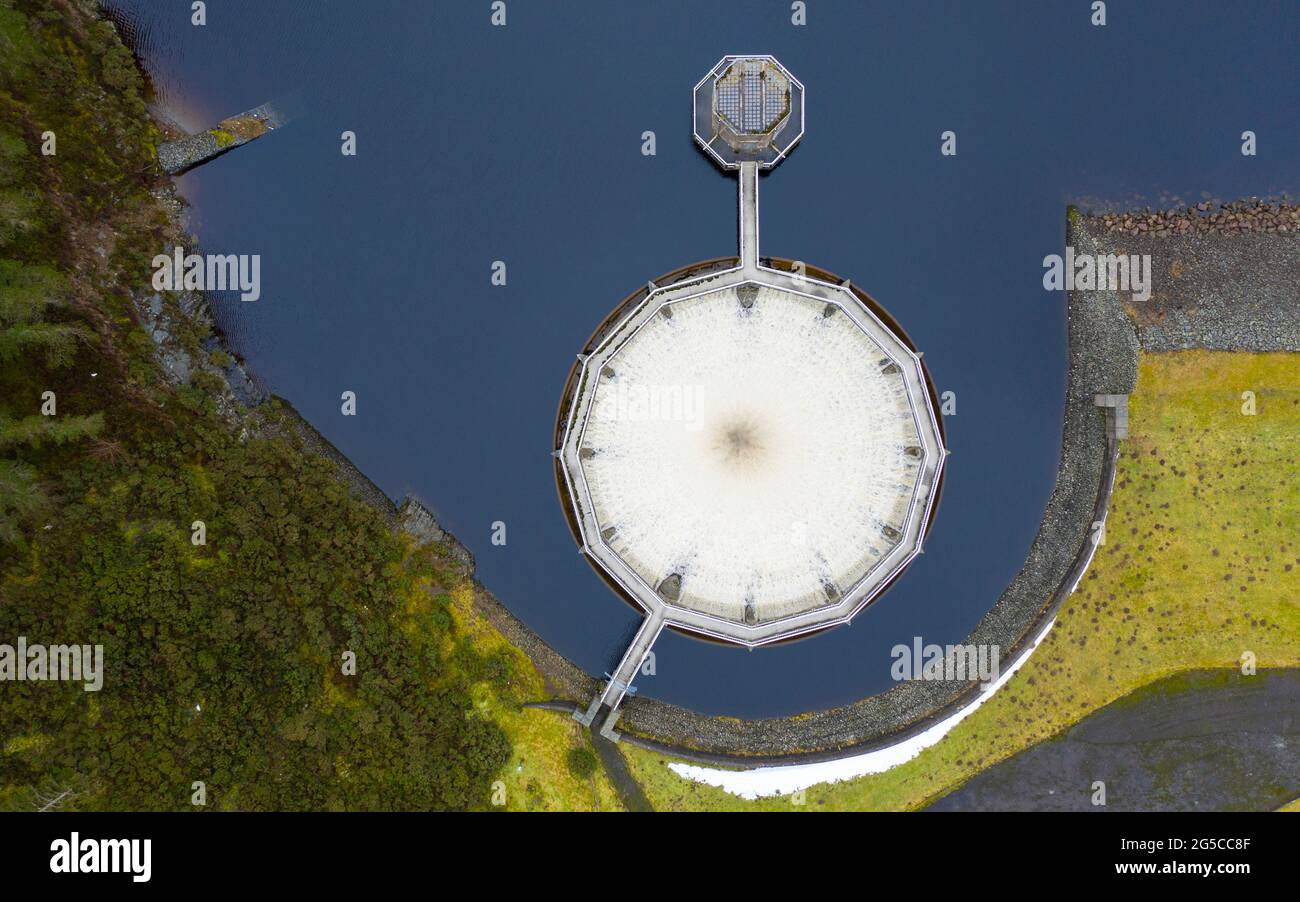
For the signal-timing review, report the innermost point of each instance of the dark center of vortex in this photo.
(738, 442)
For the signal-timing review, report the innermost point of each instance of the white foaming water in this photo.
(760, 454)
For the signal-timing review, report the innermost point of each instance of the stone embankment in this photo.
(185, 153)
(1205, 218)
(1224, 277)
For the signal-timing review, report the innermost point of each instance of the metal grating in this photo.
(753, 96)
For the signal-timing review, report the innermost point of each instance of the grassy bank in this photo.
(1201, 564)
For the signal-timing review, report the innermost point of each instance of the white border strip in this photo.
(788, 778)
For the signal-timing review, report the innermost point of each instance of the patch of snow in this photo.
(785, 779)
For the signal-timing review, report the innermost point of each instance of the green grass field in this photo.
(1201, 565)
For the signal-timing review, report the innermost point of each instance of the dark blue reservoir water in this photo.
(523, 144)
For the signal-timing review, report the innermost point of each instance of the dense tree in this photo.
(21, 497)
(27, 294)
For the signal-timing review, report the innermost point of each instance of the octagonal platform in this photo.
(748, 109)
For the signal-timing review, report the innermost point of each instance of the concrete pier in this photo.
(180, 156)
(620, 681)
(749, 218)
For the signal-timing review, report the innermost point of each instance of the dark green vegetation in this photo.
(223, 660)
(26, 294)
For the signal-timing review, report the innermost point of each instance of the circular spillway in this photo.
(758, 449)
(752, 455)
